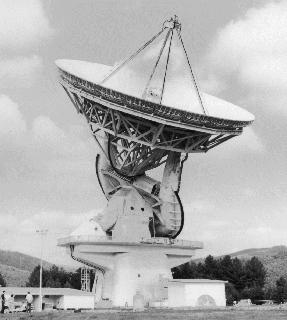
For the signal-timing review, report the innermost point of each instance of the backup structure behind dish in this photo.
(145, 112)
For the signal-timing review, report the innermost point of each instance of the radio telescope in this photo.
(144, 112)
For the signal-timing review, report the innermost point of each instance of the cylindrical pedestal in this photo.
(139, 272)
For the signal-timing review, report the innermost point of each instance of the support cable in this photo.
(167, 61)
(156, 64)
(192, 75)
(131, 57)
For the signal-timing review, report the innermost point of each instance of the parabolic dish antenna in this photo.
(151, 99)
(143, 112)
(148, 110)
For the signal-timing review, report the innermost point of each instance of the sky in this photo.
(234, 196)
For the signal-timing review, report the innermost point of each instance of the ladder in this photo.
(85, 279)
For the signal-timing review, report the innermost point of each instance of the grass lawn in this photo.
(224, 314)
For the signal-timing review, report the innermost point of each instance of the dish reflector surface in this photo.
(129, 82)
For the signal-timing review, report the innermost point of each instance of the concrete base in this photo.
(139, 272)
(196, 293)
(130, 268)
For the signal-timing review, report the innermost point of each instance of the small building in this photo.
(196, 293)
(53, 298)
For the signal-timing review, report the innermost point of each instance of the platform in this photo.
(125, 268)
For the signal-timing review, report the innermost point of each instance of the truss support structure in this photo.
(137, 145)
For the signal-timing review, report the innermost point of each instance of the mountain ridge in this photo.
(16, 266)
(270, 251)
(274, 260)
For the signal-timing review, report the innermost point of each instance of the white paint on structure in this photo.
(59, 298)
(175, 95)
(196, 293)
(76, 302)
(138, 272)
(131, 267)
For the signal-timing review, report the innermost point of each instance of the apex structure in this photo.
(144, 112)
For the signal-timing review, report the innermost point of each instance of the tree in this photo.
(269, 293)
(67, 285)
(226, 269)
(254, 273)
(75, 279)
(244, 279)
(51, 283)
(280, 292)
(57, 277)
(185, 271)
(211, 268)
(53, 278)
(237, 275)
(253, 293)
(34, 278)
(200, 271)
(231, 294)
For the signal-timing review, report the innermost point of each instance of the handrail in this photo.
(85, 262)
(144, 241)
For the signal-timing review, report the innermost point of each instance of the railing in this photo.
(83, 238)
(173, 242)
(144, 241)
